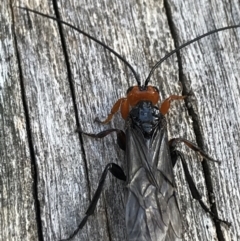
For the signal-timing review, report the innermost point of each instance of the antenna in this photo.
(119, 56)
(89, 36)
(183, 46)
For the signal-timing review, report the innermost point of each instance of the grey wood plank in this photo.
(17, 192)
(211, 71)
(52, 120)
(103, 79)
(69, 166)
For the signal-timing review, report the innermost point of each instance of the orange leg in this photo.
(119, 104)
(166, 103)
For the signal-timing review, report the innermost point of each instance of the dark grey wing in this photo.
(152, 212)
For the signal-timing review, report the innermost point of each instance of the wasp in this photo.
(151, 207)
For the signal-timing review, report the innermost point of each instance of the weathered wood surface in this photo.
(17, 205)
(49, 173)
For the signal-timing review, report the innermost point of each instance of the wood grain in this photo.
(52, 83)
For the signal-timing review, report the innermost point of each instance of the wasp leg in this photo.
(173, 142)
(116, 171)
(166, 103)
(193, 189)
(120, 104)
(121, 137)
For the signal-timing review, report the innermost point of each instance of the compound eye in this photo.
(155, 88)
(129, 89)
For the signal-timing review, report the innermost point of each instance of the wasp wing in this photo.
(152, 212)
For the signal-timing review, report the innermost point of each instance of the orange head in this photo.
(139, 93)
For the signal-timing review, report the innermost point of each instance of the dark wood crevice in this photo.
(195, 122)
(71, 84)
(34, 168)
